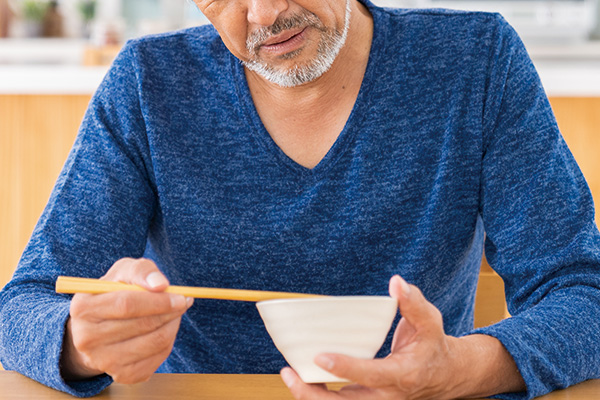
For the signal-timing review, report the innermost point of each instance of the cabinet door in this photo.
(36, 134)
(579, 122)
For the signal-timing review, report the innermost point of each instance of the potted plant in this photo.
(33, 12)
(87, 10)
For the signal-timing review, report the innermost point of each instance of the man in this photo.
(351, 144)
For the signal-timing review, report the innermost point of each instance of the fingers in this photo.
(138, 357)
(113, 345)
(142, 272)
(303, 391)
(127, 305)
(368, 373)
(419, 357)
(125, 334)
(140, 371)
(423, 316)
(90, 334)
(404, 334)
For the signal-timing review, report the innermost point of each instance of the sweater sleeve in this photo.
(99, 211)
(541, 237)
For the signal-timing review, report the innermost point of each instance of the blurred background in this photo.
(53, 55)
(107, 20)
(85, 23)
(90, 32)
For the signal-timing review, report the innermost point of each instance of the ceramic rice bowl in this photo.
(303, 328)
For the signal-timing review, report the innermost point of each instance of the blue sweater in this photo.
(451, 143)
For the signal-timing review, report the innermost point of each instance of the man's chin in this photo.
(292, 76)
(291, 55)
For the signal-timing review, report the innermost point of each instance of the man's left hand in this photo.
(424, 362)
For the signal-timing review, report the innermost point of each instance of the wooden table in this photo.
(14, 386)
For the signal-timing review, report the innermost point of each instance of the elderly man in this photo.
(316, 146)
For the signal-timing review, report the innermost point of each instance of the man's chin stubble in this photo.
(291, 54)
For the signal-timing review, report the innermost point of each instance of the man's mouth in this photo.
(282, 40)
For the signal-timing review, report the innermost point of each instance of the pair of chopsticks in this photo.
(71, 285)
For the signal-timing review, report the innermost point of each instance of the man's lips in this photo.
(282, 38)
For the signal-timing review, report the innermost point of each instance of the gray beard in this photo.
(328, 49)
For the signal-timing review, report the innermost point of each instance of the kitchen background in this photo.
(39, 36)
(108, 20)
(53, 55)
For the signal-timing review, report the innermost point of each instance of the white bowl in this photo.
(303, 328)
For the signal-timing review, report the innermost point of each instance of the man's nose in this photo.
(265, 12)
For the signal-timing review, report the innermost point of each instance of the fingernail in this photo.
(288, 377)
(403, 285)
(324, 362)
(189, 301)
(156, 279)
(178, 301)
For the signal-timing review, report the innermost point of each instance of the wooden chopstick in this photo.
(71, 285)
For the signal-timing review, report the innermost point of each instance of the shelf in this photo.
(54, 66)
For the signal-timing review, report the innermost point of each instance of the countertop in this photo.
(213, 387)
(48, 66)
(49, 79)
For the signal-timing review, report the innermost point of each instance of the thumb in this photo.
(415, 309)
(142, 272)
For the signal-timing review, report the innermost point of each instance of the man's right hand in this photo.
(126, 335)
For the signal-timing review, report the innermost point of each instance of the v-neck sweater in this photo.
(451, 146)
(346, 136)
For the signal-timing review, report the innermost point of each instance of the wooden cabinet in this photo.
(579, 122)
(36, 133)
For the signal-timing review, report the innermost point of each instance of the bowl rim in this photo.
(328, 299)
